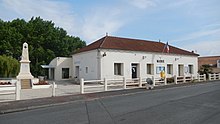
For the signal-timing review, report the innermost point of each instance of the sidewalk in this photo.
(22, 105)
(63, 88)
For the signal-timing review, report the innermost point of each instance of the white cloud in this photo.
(100, 21)
(94, 24)
(58, 12)
(180, 3)
(205, 41)
(142, 4)
(211, 30)
(205, 48)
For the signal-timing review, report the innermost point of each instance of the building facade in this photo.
(60, 68)
(115, 58)
(212, 61)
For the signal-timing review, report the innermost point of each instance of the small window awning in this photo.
(47, 66)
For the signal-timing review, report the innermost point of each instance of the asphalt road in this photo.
(195, 104)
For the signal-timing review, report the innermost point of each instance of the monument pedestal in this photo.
(25, 75)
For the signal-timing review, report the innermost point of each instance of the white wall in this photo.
(100, 66)
(142, 58)
(59, 63)
(88, 59)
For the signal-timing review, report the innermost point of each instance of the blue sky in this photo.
(188, 24)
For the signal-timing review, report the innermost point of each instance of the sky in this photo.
(193, 25)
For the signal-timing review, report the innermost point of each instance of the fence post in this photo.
(81, 85)
(53, 90)
(124, 83)
(204, 77)
(191, 78)
(219, 76)
(140, 82)
(165, 80)
(209, 76)
(184, 79)
(198, 77)
(214, 76)
(175, 79)
(105, 84)
(153, 81)
(18, 90)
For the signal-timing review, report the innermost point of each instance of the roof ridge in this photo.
(133, 39)
(103, 42)
(208, 56)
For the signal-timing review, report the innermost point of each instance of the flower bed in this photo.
(5, 83)
(42, 83)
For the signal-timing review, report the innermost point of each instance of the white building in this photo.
(115, 57)
(60, 68)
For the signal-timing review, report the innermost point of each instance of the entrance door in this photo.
(65, 73)
(180, 70)
(76, 71)
(51, 75)
(134, 70)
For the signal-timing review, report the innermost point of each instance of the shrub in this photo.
(170, 80)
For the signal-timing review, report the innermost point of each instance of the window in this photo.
(87, 69)
(169, 69)
(150, 69)
(159, 69)
(65, 73)
(218, 63)
(190, 69)
(180, 70)
(118, 68)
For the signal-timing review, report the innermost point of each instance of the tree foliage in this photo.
(8, 66)
(205, 69)
(44, 39)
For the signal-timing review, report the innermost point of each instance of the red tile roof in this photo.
(118, 43)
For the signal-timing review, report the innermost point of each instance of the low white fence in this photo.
(159, 81)
(214, 76)
(15, 88)
(110, 84)
(201, 77)
(182, 79)
(117, 84)
(11, 89)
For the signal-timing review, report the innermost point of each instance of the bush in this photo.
(9, 66)
(170, 80)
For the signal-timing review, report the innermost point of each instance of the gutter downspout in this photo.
(99, 64)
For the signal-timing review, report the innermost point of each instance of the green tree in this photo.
(45, 41)
(9, 66)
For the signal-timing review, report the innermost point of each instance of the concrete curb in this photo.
(34, 107)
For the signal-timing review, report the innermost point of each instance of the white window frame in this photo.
(190, 69)
(118, 69)
(169, 68)
(150, 68)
